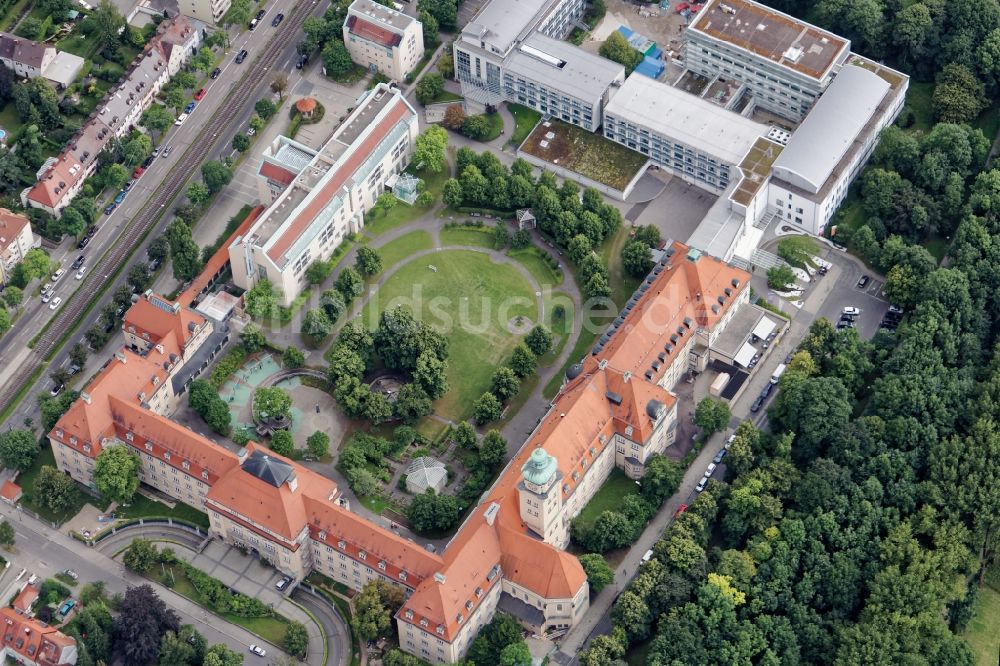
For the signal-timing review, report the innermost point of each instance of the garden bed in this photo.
(586, 153)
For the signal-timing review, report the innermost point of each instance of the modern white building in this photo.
(209, 12)
(317, 198)
(382, 39)
(560, 80)
(695, 139)
(493, 34)
(785, 63)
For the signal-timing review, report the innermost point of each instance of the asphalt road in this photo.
(45, 552)
(14, 351)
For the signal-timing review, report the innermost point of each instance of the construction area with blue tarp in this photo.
(640, 43)
(651, 67)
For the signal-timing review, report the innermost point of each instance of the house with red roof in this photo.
(30, 642)
(384, 40)
(16, 238)
(615, 409)
(318, 198)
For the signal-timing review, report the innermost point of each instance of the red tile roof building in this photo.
(615, 410)
(32, 643)
(16, 239)
(382, 39)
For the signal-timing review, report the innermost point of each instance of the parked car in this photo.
(79, 273)
(681, 509)
(757, 404)
(710, 470)
(91, 230)
(851, 310)
(719, 456)
(198, 96)
(120, 197)
(216, 72)
(46, 296)
(84, 242)
(78, 261)
(257, 650)
(302, 61)
(128, 185)
(283, 583)
(190, 107)
(895, 309)
(766, 391)
(57, 389)
(863, 282)
(822, 270)
(180, 119)
(58, 275)
(110, 208)
(149, 160)
(56, 302)
(241, 56)
(276, 21)
(701, 484)
(166, 151)
(260, 14)
(73, 370)
(648, 555)
(138, 172)
(730, 440)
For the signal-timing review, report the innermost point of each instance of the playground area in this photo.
(312, 409)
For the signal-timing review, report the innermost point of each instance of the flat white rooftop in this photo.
(673, 113)
(559, 65)
(831, 128)
(500, 22)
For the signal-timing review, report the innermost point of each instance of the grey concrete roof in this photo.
(679, 115)
(385, 16)
(831, 128)
(583, 75)
(64, 68)
(500, 22)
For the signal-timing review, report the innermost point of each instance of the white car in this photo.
(46, 296)
(701, 484)
(851, 310)
(729, 441)
(648, 556)
(79, 273)
(58, 275)
(180, 119)
(710, 470)
(257, 650)
(56, 302)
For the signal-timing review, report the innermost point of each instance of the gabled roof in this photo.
(279, 509)
(21, 50)
(11, 226)
(35, 641)
(10, 491)
(370, 32)
(161, 318)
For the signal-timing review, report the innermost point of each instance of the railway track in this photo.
(152, 214)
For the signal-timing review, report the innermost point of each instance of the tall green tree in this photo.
(116, 474)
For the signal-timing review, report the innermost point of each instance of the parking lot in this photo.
(846, 293)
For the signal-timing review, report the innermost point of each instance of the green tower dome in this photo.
(540, 468)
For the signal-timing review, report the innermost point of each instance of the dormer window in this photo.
(459, 618)
(342, 544)
(86, 448)
(166, 455)
(402, 575)
(322, 535)
(204, 474)
(145, 336)
(576, 475)
(129, 436)
(423, 622)
(468, 605)
(583, 463)
(362, 555)
(479, 593)
(409, 614)
(440, 629)
(149, 446)
(381, 565)
(186, 464)
(72, 439)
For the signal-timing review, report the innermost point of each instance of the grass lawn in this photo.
(937, 246)
(609, 497)
(983, 632)
(271, 629)
(918, 98)
(496, 126)
(27, 478)
(622, 284)
(531, 259)
(563, 329)
(10, 121)
(446, 96)
(375, 503)
(989, 120)
(395, 251)
(586, 153)
(8, 19)
(526, 119)
(470, 300)
(79, 44)
(401, 213)
(478, 236)
(144, 507)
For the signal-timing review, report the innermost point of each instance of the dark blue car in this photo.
(190, 107)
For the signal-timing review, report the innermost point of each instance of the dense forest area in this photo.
(858, 531)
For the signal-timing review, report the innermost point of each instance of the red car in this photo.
(199, 95)
(681, 7)
(681, 509)
(138, 172)
(696, 8)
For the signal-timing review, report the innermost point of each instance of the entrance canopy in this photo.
(744, 355)
(763, 328)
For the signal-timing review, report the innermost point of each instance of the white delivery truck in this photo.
(780, 370)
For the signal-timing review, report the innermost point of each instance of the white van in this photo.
(180, 119)
(780, 370)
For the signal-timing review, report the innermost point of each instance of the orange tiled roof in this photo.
(372, 33)
(276, 173)
(10, 491)
(26, 597)
(395, 114)
(34, 641)
(11, 226)
(278, 509)
(147, 315)
(219, 259)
